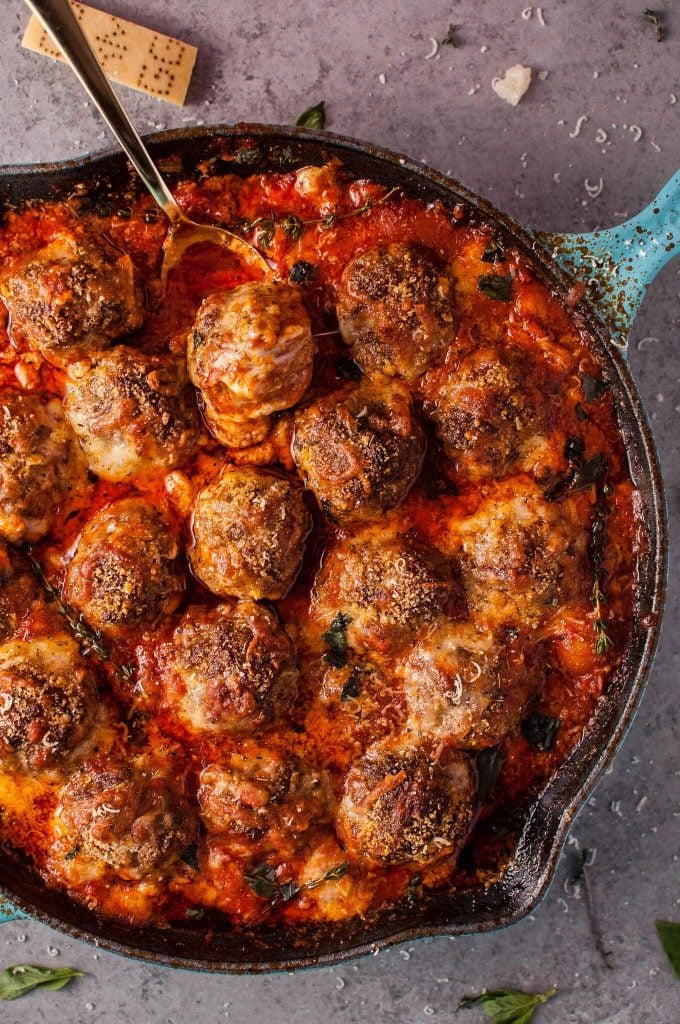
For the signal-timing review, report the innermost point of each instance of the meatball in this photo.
(73, 298)
(134, 414)
(125, 570)
(257, 795)
(130, 815)
(39, 464)
(229, 669)
(386, 586)
(48, 701)
(19, 592)
(359, 450)
(250, 353)
(521, 556)
(396, 307)
(466, 688)
(487, 414)
(249, 529)
(403, 804)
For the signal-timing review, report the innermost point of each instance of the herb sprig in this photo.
(496, 286)
(16, 981)
(655, 19)
(509, 1005)
(262, 880)
(266, 225)
(603, 641)
(90, 640)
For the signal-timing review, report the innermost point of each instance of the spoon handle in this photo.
(59, 19)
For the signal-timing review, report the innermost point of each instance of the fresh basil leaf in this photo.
(348, 369)
(190, 856)
(313, 117)
(302, 272)
(494, 252)
(669, 934)
(574, 449)
(22, 978)
(589, 473)
(352, 688)
(335, 640)
(262, 880)
(540, 730)
(509, 1006)
(593, 387)
(496, 286)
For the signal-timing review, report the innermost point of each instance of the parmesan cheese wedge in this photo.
(514, 83)
(129, 54)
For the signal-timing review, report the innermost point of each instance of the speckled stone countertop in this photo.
(268, 61)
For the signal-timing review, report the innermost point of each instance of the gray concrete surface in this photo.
(267, 61)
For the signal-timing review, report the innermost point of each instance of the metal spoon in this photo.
(59, 20)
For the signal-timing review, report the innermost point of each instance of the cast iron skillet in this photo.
(545, 823)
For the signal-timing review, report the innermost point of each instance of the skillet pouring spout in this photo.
(625, 258)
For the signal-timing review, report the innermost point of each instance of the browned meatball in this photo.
(133, 413)
(466, 688)
(249, 530)
(359, 449)
(130, 815)
(48, 701)
(260, 796)
(125, 571)
(250, 353)
(521, 556)
(404, 804)
(386, 585)
(39, 464)
(489, 417)
(72, 298)
(396, 307)
(19, 592)
(229, 669)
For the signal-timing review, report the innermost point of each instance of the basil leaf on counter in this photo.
(509, 1006)
(22, 978)
(313, 117)
(669, 935)
(496, 286)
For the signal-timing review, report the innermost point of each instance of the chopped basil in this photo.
(581, 414)
(22, 978)
(190, 856)
(348, 369)
(540, 730)
(262, 880)
(494, 252)
(335, 640)
(589, 473)
(313, 117)
(302, 272)
(496, 286)
(509, 1006)
(593, 387)
(247, 155)
(669, 934)
(351, 689)
(291, 226)
(574, 449)
(655, 18)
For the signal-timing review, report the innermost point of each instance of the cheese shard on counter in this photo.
(129, 54)
(514, 83)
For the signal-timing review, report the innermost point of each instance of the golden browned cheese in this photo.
(229, 669)
(249, 530)
(39, 464)
(250, 353)
(396, 308)
(20, 595)
(359, 449)
(125, 571)
(134, 414)
(72, 298)
(406, 804)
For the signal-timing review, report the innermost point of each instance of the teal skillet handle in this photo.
(619, 264)
(10, 913)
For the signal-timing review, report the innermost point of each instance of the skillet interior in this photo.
(545, 824)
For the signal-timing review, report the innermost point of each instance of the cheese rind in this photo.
(129, 54)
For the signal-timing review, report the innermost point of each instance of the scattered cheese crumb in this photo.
(539, 15)
(514, 83)
(543, 75)
(435, 48)
(381, 78)
(654, 146)
(579, 124)
(527, 12)
(593, 190)
(637, 132)
(600, 136)
(482, 49)
(674, 98)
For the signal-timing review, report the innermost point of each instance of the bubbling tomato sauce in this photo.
(302, 871)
